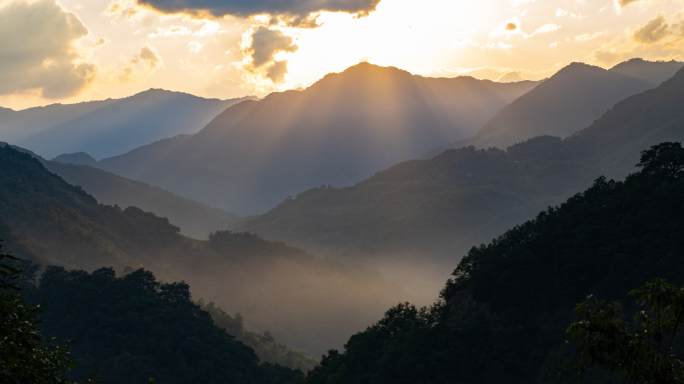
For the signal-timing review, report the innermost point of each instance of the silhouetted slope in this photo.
(504, 316)
(110, 127)
(568, 101)
(306, 302)
(338, 131)
(131, 328)
(194, 219)
(430, 209)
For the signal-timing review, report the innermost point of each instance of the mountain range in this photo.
(338, 131)
(109, 127)
(305, 301)
(568, 101)
(436, 209)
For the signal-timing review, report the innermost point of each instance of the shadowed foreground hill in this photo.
(133, 327)
(340, 130)
(306, 302)
(109, 127)
(569, 101)
(438, 208)
(504, 315)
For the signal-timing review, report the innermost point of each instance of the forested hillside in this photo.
(502, 318)
(132, 328)
(306, 302)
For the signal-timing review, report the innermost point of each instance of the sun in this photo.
(401, 33)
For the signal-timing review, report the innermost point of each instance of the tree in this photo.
(26, 356)
(643, 350)
(666, 159)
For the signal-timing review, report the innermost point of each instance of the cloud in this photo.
(150, 57)
(277, 71)
(37, 50)
(266, 43)
(624, 3)
(653, 31)
(511, 27)
(292, 12)
(546, 28)
(141, 66)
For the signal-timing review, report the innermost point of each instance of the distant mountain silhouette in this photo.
(340, 130)
(437, 209)
(80, 158)
(194, 219)
(109, 127)
(567, 102)
(651, 71)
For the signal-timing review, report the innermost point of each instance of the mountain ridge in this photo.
(109, 127)
(568, 101)
(340, 130)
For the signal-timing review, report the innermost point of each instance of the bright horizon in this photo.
(71, 51)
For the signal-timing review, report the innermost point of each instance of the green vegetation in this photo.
(504, 314)
(649, 354)
(264, 345)
(26, 355)
(131, 328)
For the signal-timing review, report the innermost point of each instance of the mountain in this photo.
(504, 315)
(639, 121)
(338, 131)
(652, 71)
(432, 211)
(109, 127)
(194, 219)
(568, 101)
(306, 302)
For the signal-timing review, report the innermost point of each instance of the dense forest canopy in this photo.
(503, 315)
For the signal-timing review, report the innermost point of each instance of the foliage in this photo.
(26, 355)
(509, 303)
(133, 327)
(642, 353)
(264, 345)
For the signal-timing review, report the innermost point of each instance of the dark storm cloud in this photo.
(266, 43)
(291, 12)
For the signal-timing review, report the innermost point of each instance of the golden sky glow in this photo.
(77, 50)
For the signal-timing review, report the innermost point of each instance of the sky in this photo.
(68, 51)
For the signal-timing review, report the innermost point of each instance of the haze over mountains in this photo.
(568, 101)
(108, 127)
(339, 131)
(306, 302)
(194, 219)
(436, 209)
